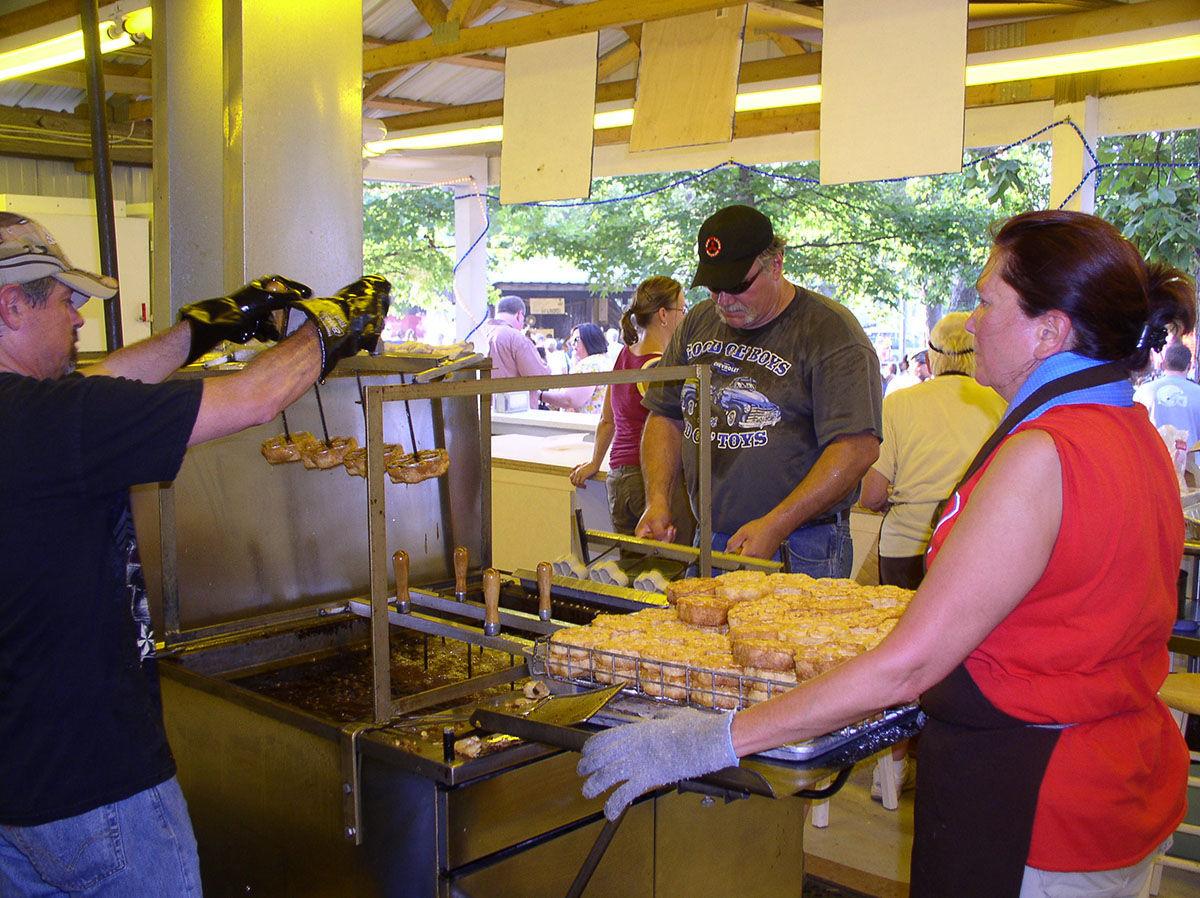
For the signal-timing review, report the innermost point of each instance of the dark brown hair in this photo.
(652, 294)
(1080, 265)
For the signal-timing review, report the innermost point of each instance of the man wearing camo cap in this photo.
(89, 801)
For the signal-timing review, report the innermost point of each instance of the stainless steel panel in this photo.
(752, 848)
(627, 868)
(265, 801)
(504, 810)
(255, 538)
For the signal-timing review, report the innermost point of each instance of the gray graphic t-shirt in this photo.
(780, 394)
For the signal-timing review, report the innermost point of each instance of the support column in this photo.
(1069, 161)
(293, 141)
(188, 260)
(470, 219)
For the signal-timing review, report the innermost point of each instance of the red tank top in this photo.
(1088, 645)
(629, 415)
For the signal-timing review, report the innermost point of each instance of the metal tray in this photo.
(842, 747)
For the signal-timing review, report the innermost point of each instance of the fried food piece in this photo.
(418, 466)
(690, 586)
(324, 457)
(356, 459)
(279, 450)
(764, 654)
(703, 611)
(742, 586)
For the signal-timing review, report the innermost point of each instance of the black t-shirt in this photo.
(80, 716)
(781, 393)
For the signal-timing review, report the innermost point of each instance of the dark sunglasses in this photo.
(738, 289)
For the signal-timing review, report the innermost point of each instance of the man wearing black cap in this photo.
(89, 802)
(796, 405)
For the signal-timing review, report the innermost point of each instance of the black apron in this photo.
(977, 788)
(981, 769)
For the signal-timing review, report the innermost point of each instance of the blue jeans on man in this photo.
(819, 550)
(139, 847)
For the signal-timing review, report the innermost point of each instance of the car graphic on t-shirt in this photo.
(744, 407)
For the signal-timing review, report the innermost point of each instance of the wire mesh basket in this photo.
(723, 688)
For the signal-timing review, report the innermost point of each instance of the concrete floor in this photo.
(868, 848)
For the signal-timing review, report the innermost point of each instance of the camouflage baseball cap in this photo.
(29, 252)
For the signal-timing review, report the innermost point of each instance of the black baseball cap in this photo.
(729, 242)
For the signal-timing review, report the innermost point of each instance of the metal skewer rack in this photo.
(480, 386)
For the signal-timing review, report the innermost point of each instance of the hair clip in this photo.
(1152, 337)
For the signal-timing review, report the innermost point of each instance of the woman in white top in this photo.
(589, 354)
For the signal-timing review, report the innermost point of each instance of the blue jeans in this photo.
(823, 550)
(140, 847)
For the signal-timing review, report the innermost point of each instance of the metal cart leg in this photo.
(594, 856)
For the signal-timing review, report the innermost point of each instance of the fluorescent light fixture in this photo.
(777, 99)
(1169, 50)
(140, 23)
(67, 48)
(440, 139)
(614, 118)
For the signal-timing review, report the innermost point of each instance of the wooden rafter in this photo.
(1109, 20)
(789, 45)
(616, 59)
(432, 11)
(64, 77)
(39, 134)
(400, 105)
(569, 20)
(751, 73)
(37, 15)
(796, 14)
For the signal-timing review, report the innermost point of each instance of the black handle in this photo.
(830, 790)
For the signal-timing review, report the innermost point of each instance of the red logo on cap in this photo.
(712, 247)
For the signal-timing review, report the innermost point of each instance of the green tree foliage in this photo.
(408, 237)
(1158, 208)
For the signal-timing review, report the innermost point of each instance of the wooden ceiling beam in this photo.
(616, 59)
(565, 22)
(789, 45)
(401, 105)
(475, 61)
(467, 11)
(633, 32)
(1109, 20)
(38, 15)
(432, 11)
(63, 77)
(50, 145)
(139, 111)
(796, 14)
(751, 73)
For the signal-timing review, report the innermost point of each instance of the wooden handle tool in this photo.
(491, 602)
(462, 559)
(544, 572)
(400, 566)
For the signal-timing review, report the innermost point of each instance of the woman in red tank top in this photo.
(1037, 641)
(647, 325)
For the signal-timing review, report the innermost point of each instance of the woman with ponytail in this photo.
(1037, 641)
(646, 327)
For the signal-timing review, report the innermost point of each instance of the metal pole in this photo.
(106, 225)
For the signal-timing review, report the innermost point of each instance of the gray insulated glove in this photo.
(654, 753)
